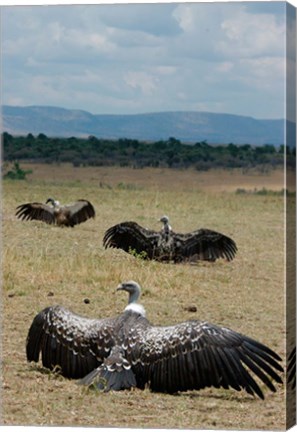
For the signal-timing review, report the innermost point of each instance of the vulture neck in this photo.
(166, 230)
(133, 296)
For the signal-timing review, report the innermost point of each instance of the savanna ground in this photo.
(45, 265)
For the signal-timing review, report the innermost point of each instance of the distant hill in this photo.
(188, 126)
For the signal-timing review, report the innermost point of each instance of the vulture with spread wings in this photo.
(66, 215)
(128, 351)
(167, 245)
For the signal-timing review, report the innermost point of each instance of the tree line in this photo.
(172, 153)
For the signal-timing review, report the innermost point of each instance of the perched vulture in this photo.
(67, 215)
(128, 351)
(166, 245)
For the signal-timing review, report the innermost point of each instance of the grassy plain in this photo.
(45, 265)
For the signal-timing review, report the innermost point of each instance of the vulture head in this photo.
(55, 203)
(165, 221)
(133, 289)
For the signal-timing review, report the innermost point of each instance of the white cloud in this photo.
(141, 80)
(246, 34)
(267, 70)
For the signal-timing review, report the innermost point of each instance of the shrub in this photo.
(17, 173)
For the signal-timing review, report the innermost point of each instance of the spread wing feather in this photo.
(205, 245)
(291, 368)
(80, 211)
(36, 211)
(130, 236)
(196, 354)
(74, 344)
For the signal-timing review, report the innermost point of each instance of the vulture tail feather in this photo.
(114, 374)
(90, 378)
(105, 379)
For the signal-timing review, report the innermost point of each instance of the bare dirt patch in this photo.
(216, 180)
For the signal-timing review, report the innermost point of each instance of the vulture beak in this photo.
(164, 219)
(120, 287)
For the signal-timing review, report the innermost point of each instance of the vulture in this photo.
(166, 245)
(66, 215)
(128, 351)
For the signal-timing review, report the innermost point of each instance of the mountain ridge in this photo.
(186, 126)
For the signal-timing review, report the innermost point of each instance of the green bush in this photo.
(17, 173)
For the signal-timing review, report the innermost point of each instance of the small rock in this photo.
(86, 301)
(50, 294)
(190, 308)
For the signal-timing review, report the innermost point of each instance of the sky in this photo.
(140, 58)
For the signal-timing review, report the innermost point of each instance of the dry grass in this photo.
(44, 265)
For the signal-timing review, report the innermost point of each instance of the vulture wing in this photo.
(130, 236)
(79, 212)
(74, 344)
(36, 211)
(204, 244)
(195, 355)
(291, 368)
